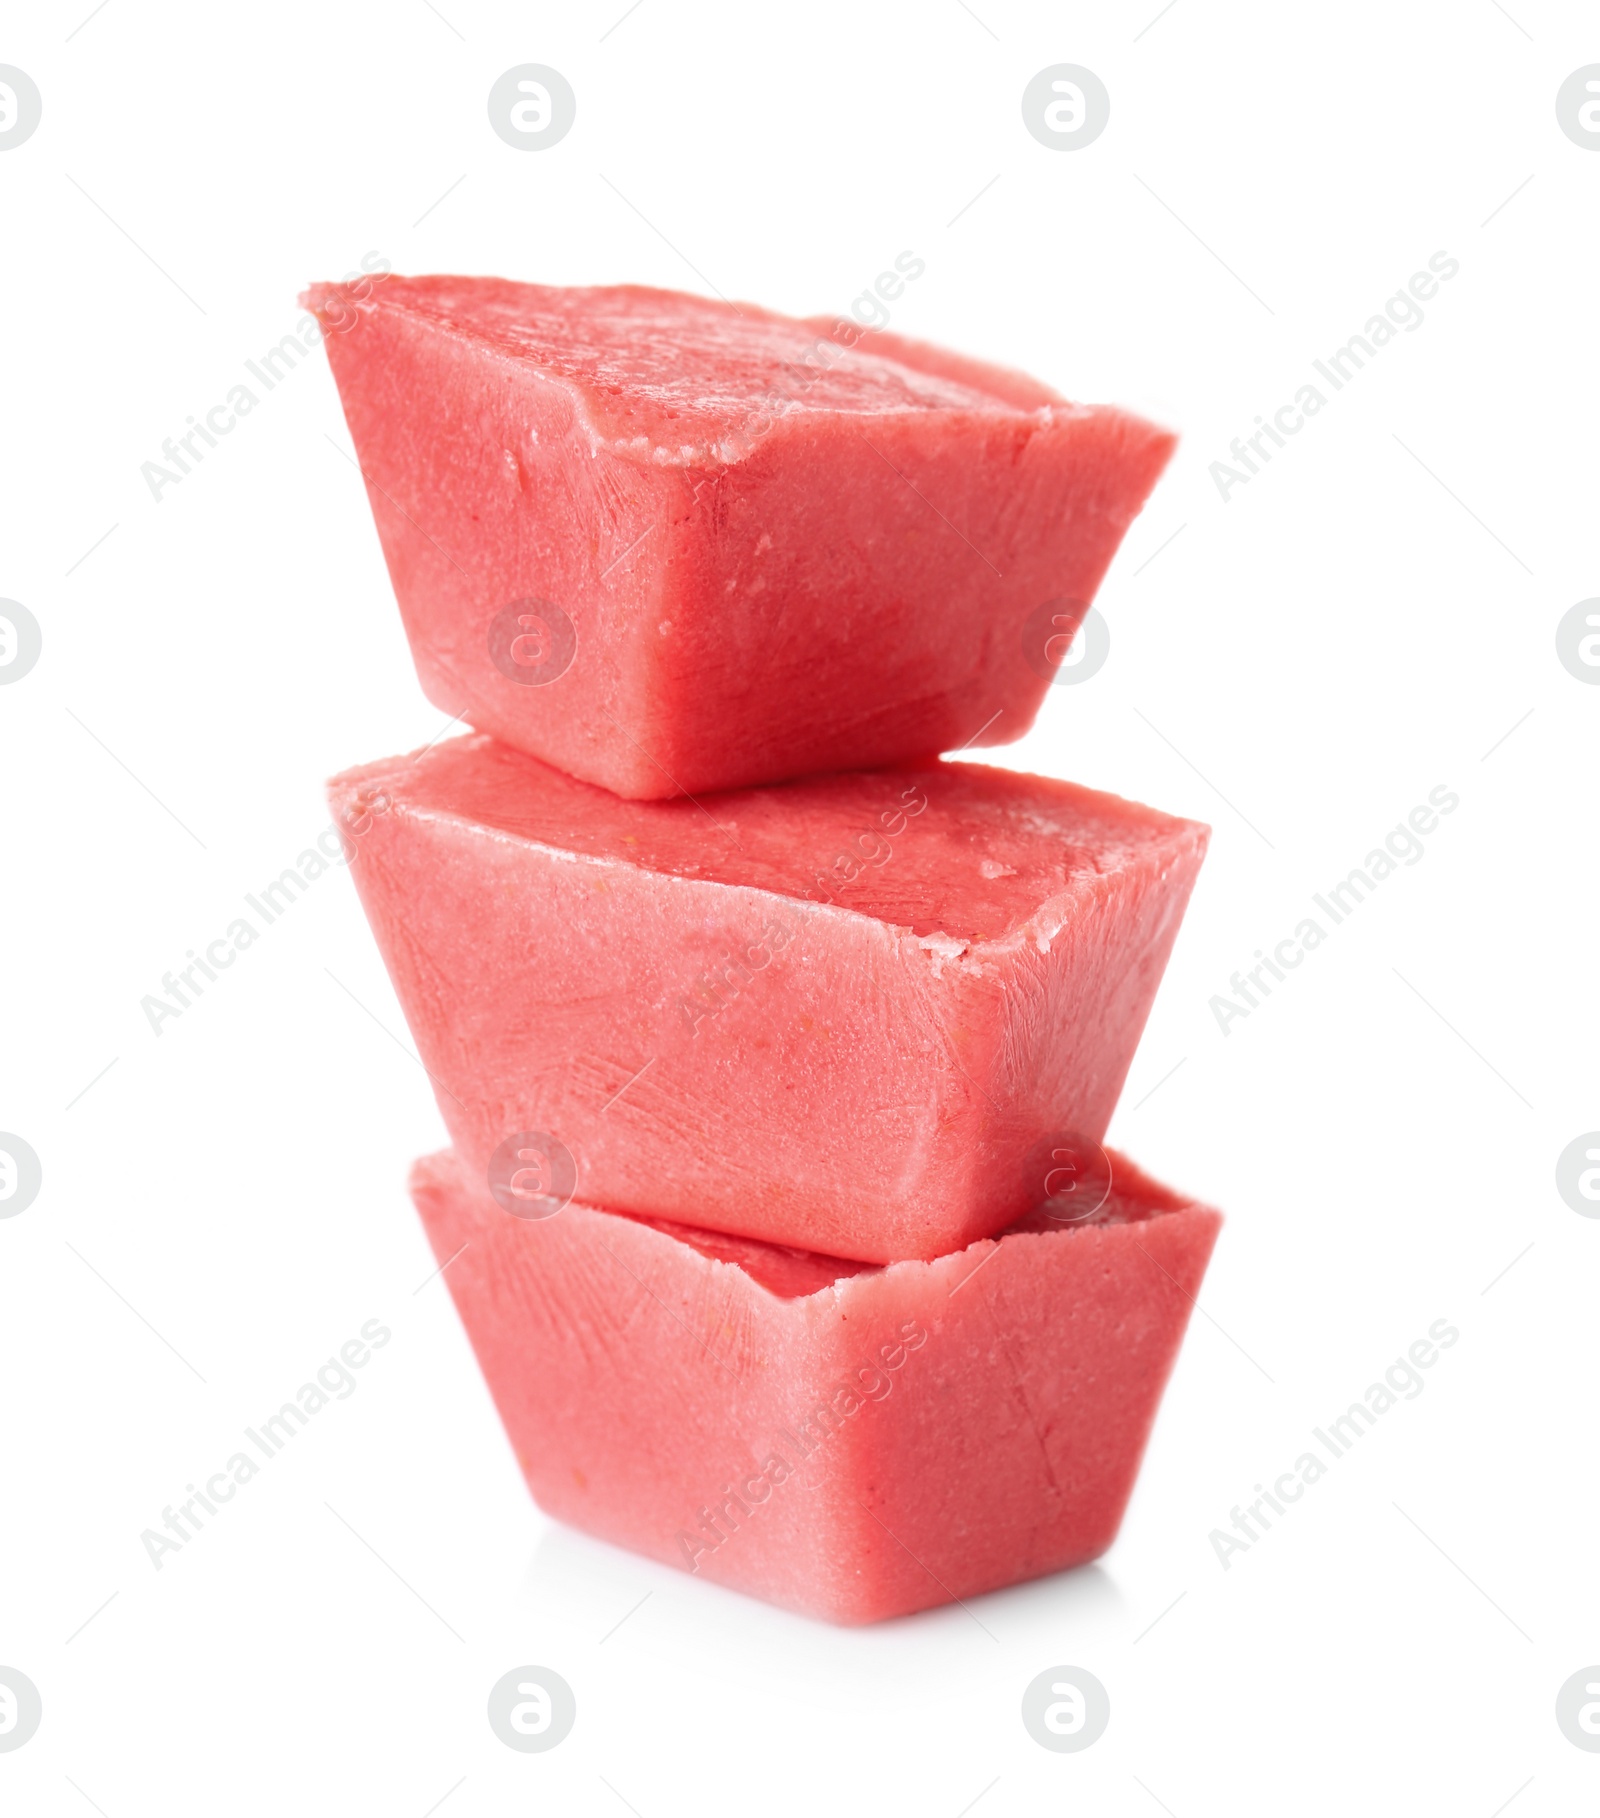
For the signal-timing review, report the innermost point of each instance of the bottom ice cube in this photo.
(851, 1441)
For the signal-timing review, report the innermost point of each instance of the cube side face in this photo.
(851, 592)
(484, 498)
(1045, 1031)
(1012, 1445)
(807, 1104)
(855, 593)
(650, 1397)
(1077, 996)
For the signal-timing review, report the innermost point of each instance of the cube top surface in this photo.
(675, 376)
(976, 850)
(1133, 1197)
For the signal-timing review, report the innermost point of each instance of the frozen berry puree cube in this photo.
(854, 1443)
(850, 1013)
(671, 544)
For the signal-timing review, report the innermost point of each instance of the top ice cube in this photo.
(674, 545)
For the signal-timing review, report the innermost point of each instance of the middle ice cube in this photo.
(866, 1014)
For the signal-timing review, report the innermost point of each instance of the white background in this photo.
(1299, 666)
